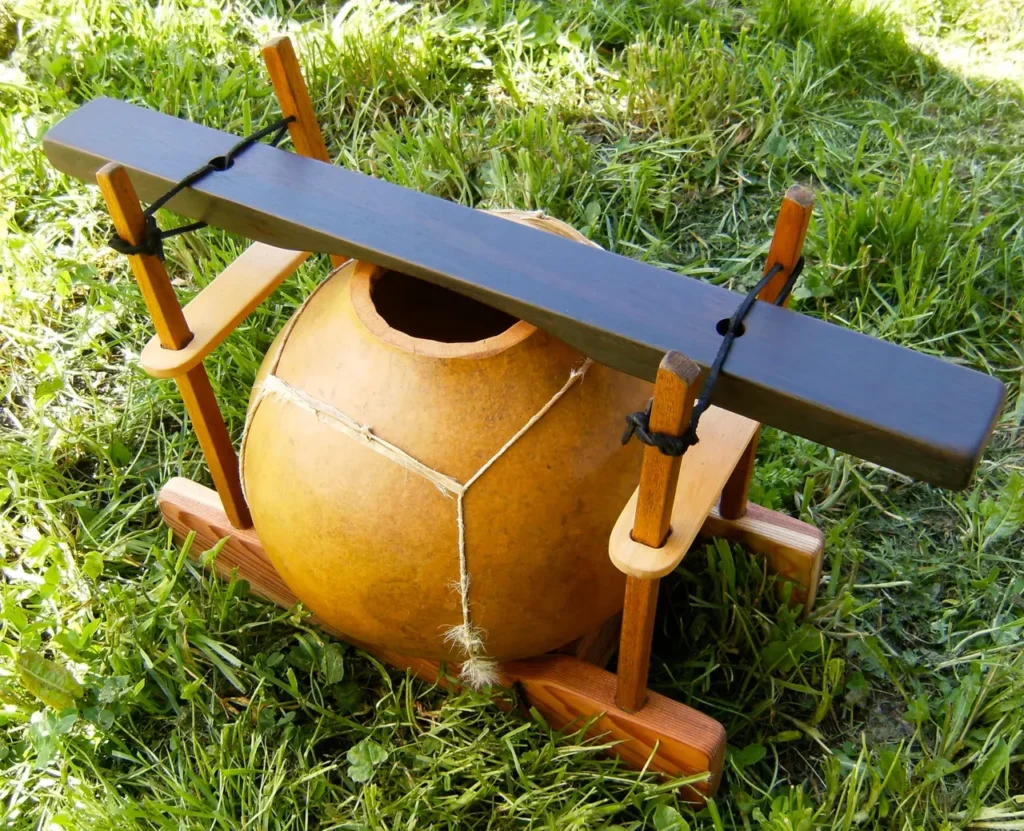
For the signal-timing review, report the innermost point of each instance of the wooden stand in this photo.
(571, 693)
(674, 504)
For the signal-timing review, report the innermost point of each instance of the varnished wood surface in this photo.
(670, 414)
(173, 333)
(567, 691)
(214, 313)
(293, 98)
(641, 602)
(788, 240)
(786, 249)
(704, 470)
(792, 549)
(218, 451)
(914, 413)
(172, 330)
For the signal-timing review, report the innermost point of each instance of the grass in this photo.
(138, 693)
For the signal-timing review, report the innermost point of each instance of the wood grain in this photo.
(883, 403)
(638, 609)
(670, 414)
(217, 310)
(173, 333)
(786, 249)
(677, 740)
(293, 99)
(792, 549)
(702, 473)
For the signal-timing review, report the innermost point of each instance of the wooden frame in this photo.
(875, 400)
(674, 504)
(569, 692)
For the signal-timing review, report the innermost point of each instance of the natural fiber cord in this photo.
(477, 670)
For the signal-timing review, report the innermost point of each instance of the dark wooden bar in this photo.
(914, 413)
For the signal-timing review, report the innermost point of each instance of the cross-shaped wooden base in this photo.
(567, 688)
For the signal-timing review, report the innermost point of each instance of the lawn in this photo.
(665, 131)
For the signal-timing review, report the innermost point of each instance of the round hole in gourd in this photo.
(423, 310)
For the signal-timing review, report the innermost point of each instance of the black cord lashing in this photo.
(152, 237)
(639, 423)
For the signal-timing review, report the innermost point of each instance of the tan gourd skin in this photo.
(372, 548)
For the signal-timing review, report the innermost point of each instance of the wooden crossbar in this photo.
(914, 413)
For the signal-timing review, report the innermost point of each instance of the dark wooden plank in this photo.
(914, 413)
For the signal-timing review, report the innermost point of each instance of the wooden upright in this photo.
(176, 351)
(293, 99)
(659, 473)
(786, 249)
(174, 333)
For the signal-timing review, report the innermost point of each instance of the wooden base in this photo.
(571, 693)
(792, 549)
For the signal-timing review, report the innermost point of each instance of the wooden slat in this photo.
(914, 413)
(638, 610)
(173, 333)
(788, 240)
(793, 549)
(214, 313)
(703, 472)
(786, 249)
(293, 98)
(172, 330)
(670, 414)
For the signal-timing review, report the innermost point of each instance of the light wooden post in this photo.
(670, 413)
(786, 248)
(293, 98)
(173, 331)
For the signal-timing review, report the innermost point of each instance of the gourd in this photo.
(430, 474)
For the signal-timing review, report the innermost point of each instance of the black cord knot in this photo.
(639, 424)
(152, 237)
(152, 241)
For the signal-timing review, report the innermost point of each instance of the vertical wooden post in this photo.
(786, 249)
(670, 413)
(293, 98)
(173, 331)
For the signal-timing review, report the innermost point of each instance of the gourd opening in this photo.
(429, 312)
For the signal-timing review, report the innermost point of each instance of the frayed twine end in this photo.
(580, 369)
(479, 672)
(467, 637)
